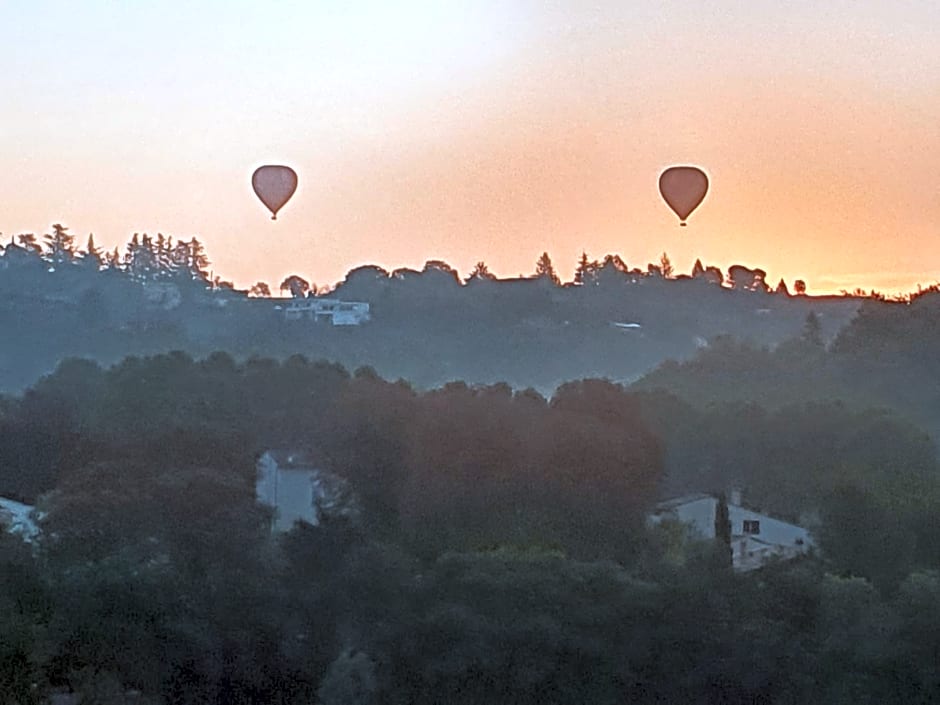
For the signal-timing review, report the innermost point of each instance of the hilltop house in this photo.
(755, 537)
(339, 313)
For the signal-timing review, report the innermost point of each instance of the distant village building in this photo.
(756, 538)
(339, 313)
(18, 519)
(299, 491)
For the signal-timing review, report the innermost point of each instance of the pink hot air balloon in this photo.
(683, 188)
(274, 186)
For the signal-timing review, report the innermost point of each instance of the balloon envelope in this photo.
(683, 188)
(274, 185)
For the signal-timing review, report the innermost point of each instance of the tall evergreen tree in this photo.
(113, 260)
(586, 272)
(91, 257)
(665, 266)
(199, 260)
(189, 260)
(545, 268)
(723, 526)
(92, 249)
(581, 271)
(139, 259)
(61, 245)
(163, 256)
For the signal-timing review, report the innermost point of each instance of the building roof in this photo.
(671, 504)
(699, 511)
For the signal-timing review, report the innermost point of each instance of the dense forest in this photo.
(500, 445)
(492, 545)
(430, 326)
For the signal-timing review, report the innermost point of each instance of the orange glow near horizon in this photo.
(524, 130)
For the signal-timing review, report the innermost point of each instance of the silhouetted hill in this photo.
(426, 326)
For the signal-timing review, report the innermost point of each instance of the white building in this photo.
(299, 491)
(17, 518)
(339, 313)
(755, 537)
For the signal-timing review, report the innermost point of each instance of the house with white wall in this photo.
(756, 538)
(339, 313)
(297, 490)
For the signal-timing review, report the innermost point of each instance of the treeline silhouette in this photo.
(147, 258)
(884, 357)
(428, 326)
(499, 550)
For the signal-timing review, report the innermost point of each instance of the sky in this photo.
(483, 130)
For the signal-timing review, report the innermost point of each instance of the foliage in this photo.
(544, 269)
(499, 552)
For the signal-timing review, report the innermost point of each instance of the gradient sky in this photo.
(482, 130)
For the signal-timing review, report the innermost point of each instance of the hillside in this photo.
(427, 327)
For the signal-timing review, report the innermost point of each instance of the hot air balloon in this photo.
(274, 186)
(683, 188)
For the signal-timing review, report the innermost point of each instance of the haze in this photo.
(483, 130)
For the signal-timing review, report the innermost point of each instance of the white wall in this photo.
(776, 537)
(289, 491)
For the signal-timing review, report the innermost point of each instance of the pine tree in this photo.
(61, 245)
(180, 255)
(199, 261)
(188, 259)
(113, 260)
(782, 288)
(545, 268)
(580, 273)
(163, 256)
(723, 526)
(480, 272)
(91, 257)
(92, 249)
(665, 266)
(698, 271)
(139, 259)
(588, 270)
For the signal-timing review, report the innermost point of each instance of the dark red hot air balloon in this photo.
(683, 188)
(274, 185)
